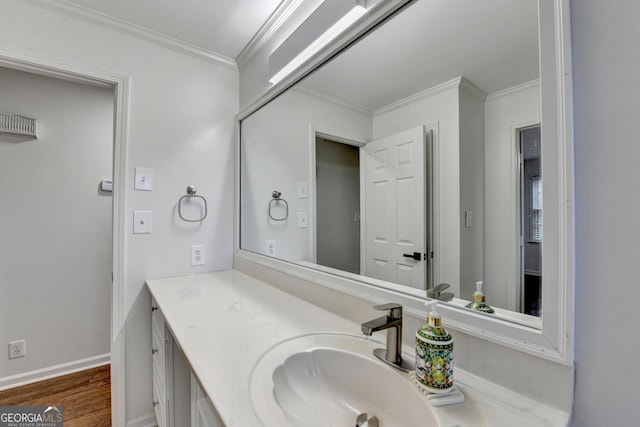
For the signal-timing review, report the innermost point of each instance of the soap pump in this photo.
(478, 300)
(434, 354)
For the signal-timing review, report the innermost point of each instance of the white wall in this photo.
(472, 170)
(275, 155)
(505, 112)
(55, 250)
(181, 116)
(606, 65)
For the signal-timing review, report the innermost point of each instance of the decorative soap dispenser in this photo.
(478, 300)
(434, 354)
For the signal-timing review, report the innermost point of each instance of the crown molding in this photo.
(107, 21)
(275, 21)
(514, 89)
(300, 87)
(453, 83)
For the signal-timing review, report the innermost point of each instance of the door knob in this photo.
(416, 255)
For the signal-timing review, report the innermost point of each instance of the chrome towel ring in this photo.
(191, 193)
(275, 199)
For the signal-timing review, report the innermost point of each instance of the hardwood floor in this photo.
(85, 397)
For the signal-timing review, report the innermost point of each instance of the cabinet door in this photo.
(162, 368)
(159, 405)
(203, 414)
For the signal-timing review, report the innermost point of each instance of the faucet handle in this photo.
(395, 309)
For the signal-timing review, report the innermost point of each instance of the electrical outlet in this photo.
(17, 349)
(271, 247)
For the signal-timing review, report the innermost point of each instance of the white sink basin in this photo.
(329, 380)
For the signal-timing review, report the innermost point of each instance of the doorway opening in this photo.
(372, 206)
(56, 262)
(28, 61)
(530, 219)
(337, 205)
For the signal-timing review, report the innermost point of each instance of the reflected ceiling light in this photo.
(325, 23)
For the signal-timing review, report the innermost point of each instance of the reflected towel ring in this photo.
(276, 198)
(191, 193)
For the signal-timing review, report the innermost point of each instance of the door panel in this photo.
(395, 201)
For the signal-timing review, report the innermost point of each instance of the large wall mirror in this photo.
(414, 160)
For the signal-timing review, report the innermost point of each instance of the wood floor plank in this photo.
(85, 396)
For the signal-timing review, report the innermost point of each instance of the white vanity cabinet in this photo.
(223, 323)
(162, 364)
(178, 398)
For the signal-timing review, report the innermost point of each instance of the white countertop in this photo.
(225, 321)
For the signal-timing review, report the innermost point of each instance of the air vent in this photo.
(17, 125)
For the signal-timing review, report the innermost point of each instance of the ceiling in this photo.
(492, 43)
(223, 27)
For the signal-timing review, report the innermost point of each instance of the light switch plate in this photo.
(143, 179)
(303, 219)
(468, 219)
(302, 190)
(141, 222)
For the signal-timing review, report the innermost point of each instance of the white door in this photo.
(395, 207)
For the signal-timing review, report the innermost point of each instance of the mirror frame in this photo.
(554, 340)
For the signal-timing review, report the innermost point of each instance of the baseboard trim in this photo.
(54, 371)
(148, 420)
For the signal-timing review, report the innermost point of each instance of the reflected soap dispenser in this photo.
(478, 300)
(434, 354)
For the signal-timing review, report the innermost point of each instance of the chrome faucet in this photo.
(392, 322)
(436, 292)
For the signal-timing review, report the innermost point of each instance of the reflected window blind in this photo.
(536, 209)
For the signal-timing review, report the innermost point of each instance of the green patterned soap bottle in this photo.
(478, 301)
(434, 354)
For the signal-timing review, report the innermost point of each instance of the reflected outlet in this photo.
(197, 255)
(271, 248)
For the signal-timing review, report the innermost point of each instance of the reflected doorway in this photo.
(530, 220)
(337, 205)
